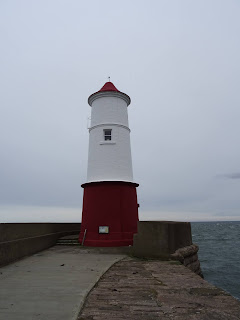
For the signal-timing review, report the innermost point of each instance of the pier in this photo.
(68, 281)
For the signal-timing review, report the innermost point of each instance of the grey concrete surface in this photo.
(15, 231)
(52, 284)
(18, 240)
(160, 239)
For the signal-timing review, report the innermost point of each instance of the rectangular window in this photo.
(107, 134)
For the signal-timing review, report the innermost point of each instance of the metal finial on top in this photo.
(109, 79)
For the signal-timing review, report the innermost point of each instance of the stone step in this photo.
(68, 243)
(68, 240)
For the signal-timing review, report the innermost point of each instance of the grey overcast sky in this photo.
(179, 63)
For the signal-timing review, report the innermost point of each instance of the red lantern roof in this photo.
(109, 86)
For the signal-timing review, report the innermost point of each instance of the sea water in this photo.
(219, 253)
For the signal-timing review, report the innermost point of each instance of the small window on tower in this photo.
(107, 134)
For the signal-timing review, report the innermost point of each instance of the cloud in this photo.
(17, 214)
(233, 175)
(188, 216)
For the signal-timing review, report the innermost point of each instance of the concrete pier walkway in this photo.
(52, 284)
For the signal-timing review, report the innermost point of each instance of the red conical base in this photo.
(113, 205)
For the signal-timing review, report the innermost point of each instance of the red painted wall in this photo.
(112, 204)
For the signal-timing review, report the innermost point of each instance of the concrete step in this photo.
(68, 241)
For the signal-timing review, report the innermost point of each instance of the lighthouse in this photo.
(110, 207)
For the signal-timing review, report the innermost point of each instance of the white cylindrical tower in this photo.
(110, 208)
(109, 157)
